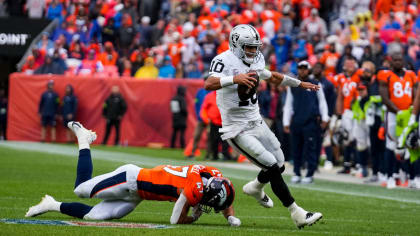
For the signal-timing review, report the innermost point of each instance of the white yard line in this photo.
(229, 169)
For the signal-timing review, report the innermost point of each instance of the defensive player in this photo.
(347, 93)
(197, 186)
(397, 92)
(242, 124)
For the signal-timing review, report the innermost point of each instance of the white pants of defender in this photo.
(347, 122)
(391, 137)
(259, 144)
(361, 135)
(118, 200)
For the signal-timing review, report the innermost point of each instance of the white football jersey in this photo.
(232, 109)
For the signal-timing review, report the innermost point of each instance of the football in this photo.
(246, 93)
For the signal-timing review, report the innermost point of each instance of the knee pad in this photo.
(82, 191)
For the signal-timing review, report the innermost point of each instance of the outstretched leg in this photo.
(105, 210)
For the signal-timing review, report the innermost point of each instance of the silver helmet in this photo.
(245, 35)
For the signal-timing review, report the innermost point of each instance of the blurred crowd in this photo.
(178, 39)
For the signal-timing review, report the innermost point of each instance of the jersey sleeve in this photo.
(219, 67)
(383, 75)
(193, 188)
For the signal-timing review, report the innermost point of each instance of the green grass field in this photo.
(30, 170)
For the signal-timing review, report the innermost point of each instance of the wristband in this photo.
(226, 81)
(264, 74)
(290, 81)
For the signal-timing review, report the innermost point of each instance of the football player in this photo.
(242, 125)
(201, 187)
(346, 95)
(396, 87)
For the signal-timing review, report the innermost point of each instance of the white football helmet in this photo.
(245, 35)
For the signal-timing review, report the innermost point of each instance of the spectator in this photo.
(167, 71)
(281, 44)
(145, 31)
(264, 102)
(178, 107)
(209, 48)
(157, 32)
(201, 125)
(330, 98)
(210, 115)
(175, 51)
(109, 56)
(3, 114)
(127, 68)
(90, 65)
(29, 67)
(76, 51)
(54, 10)
(314, 24)
(68, 111)
(3, 9)
(190, 43)
(48, 108)
(109, 31)
(45, 43)
(137, 63)
(113, 111)
(305, 115)
(192, 71)
(148, 71)
(329, 59)
(52, 65)
(126, 34)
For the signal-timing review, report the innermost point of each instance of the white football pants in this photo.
(117, 189)
(259, 145)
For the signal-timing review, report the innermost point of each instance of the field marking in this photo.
(99, 224)
(141, 160)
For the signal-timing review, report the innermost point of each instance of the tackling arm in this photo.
(229, 214)
(180, 211)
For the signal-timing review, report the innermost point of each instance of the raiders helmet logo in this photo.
(235, 38)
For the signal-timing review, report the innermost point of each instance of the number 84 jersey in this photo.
(166, 182)
(400, 88)
(232, 109)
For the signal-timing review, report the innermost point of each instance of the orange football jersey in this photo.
(166, 182)
(400, 89)
(348, 88)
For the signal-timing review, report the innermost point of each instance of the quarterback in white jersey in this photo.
(235, 74)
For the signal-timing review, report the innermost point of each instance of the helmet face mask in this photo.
(218, 194)
(241, 38)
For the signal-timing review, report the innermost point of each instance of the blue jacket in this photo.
(305, 106)
(330, 96)
(264, 100)
(48, 105)
(54, 12)
(167, 71)
(69, 105)
(281, 51)
(199, 99)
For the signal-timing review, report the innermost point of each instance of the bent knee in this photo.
(82, 191)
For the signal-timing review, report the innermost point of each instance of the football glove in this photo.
(233, 221)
